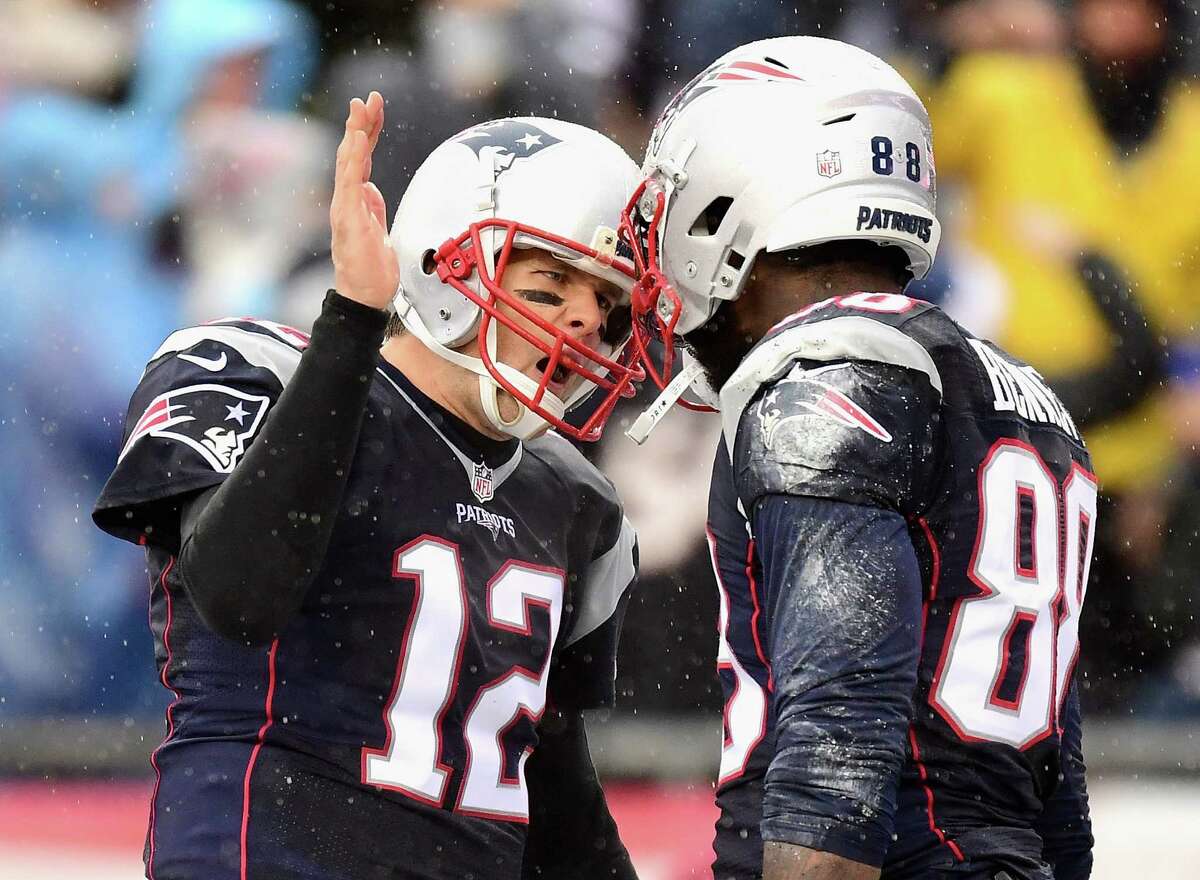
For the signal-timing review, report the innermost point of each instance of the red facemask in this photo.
(655, 305)
(613, 375)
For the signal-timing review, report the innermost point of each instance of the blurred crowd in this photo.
(168, 161)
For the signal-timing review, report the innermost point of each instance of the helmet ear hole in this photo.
(708, 221)
(428, 266)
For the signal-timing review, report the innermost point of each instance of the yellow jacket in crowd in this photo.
(1020, 132)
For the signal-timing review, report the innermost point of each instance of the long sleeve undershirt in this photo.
(251, 547)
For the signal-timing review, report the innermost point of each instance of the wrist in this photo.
(346, 326)
(352, 307)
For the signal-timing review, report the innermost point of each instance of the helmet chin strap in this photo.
(691, 374)
(527, 424)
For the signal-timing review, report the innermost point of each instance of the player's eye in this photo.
(552, 275)
(605, 303)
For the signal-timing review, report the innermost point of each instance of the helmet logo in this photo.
(721, 72)
(829, 163)
(507, 140)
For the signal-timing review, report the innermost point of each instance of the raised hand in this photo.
(364, 263)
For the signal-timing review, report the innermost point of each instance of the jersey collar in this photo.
(469, 446)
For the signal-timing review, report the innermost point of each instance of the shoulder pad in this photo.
(858, 432)
(598, 511)
(861, 327)
(260, 343)
(202, 377)
(572, 467)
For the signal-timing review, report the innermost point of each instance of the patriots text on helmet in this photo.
(886, 218)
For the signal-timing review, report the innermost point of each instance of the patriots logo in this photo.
(507, 140)
(722, 72)
(833, 404)
(215, 421)
(824, 401)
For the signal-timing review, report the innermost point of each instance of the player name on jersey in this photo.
(1021, 390)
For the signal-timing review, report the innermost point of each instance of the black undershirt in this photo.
(251, 547)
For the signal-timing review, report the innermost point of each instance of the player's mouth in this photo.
(558, 379)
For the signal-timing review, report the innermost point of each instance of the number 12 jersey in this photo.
(468, 584)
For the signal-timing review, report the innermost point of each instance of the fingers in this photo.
(375, 204)
(374, 114)
(347, 177)
(374, 110)
(364, 123)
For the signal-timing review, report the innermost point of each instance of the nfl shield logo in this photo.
(481, 482)
(829, 163)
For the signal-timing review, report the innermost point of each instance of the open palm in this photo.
(364, 263)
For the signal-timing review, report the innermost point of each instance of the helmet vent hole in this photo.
(776, 62)
(709, 220)
(428, 266)
(735, 260)
(845, 118)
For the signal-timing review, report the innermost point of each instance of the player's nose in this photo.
(583, 315)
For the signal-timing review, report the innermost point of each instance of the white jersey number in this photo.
(410, 761)
(746, 709)
(1017, 639)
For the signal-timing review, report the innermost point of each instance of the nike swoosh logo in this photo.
(214, 365)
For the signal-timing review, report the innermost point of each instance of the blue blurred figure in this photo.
(86, 191)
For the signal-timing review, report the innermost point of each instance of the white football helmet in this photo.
(520, 182)
(779, 144)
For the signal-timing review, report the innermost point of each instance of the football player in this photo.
(901, 515)
(378, 581)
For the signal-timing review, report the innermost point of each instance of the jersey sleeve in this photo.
(842, 601)
(855, 431)
(586, 669)
(199, 405)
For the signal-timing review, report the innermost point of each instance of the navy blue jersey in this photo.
(384, 732)
(881, 463)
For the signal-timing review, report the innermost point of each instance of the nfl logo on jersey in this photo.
(481, 482)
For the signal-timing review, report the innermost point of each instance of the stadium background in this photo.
(167, 161)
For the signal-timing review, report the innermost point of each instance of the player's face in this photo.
(573, 301)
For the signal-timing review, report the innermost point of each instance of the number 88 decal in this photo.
(1014, 637)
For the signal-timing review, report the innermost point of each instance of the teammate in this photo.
(901, 515)
(378, 583)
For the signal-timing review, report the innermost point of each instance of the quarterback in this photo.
(382, 591)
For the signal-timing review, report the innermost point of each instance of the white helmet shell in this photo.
(555, 186)
(781, 144)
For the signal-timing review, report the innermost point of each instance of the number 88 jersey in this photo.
(881, 400)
